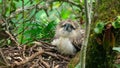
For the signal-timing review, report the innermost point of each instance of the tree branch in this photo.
(88, 10)
(20, 10)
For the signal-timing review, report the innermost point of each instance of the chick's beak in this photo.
(67, 27)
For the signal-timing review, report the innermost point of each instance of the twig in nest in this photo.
(46, 43)
(57, 66)
(35, 64)
(44, 63)
(4, 57)
(51, 54)
(53, 64)
(31, 49)
(57, 56)
(62, 57)
(46, 46)
(29, 58)
(23, 52)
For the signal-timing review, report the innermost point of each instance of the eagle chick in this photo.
(68, 37)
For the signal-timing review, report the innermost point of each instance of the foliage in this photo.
(99, 27)
(116, 23)
(31, 20)
(106, 33)
(116, 49)
(117, 65)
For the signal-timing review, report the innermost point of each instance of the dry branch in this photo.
(29, 58)
(12, 38)
(44, 63)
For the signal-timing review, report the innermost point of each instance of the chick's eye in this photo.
(72, 27)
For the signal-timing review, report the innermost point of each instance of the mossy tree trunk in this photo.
(99, 50)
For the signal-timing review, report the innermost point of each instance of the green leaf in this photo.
(118, 17)
(116, 49)
(50, 26)
(48, 30)
(99, 27)
(78, 65)
(16, 0)
(65, 13)
(117, 65)
(56, 4)
(0, 1)
(37, 1)
(116, 24)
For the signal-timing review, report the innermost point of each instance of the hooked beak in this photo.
(68, 27)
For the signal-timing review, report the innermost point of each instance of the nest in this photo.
(39, 55)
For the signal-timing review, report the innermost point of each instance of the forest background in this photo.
(24, 21)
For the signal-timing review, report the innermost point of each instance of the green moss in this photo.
(97, 57)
